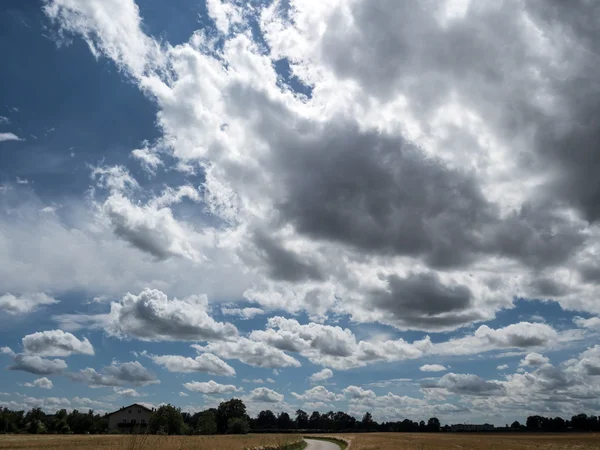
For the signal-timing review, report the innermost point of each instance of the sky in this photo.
(355, 205)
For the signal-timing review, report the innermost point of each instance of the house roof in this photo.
(137, 405)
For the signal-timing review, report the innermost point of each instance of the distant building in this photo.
(130, 419)
(471, 427)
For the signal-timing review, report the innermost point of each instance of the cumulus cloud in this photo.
(56, 343)
(432, 368)
(264, 395)
(116, 374)
(43, 383)
(26, 303)
(127, 393)
(205, 363)
(321, 375)
(317, 393)
(502, 367)
(151, 315)
(211, 387)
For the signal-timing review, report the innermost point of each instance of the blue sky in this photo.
(333, 205)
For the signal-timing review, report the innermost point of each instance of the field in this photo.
(468, 441)
(141, 442)
(371, 441)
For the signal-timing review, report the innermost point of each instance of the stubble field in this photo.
(371, 441)
(467, 441)
(144, 442)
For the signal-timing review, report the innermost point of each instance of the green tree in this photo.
(301, 419)
(433, 424)
(284, 422)
(238, 425)
(166, 419)
(207, 423)
(232, 409)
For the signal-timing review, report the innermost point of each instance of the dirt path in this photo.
(315, 444)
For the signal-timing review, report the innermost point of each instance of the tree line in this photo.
(231, 417)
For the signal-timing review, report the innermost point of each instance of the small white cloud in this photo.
(183, 394)
(56, 343)
(432, 368)
(534, 360)
(502, 367)
(9, 137)
(4, 120)
(264, 395)
(211, 387)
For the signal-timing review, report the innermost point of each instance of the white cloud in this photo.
(127, 393)
(502, 367)
(318, 393)
(26, 303)
(205, 363)
(211, 387)
(591, 323)
(4, 137)
(43, 383)
(56, 343)
(148, 158)
(183, 394)
(432, 368)
(321, 375)
(264, 395)
(4, 120)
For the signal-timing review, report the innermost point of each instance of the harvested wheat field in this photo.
(145, 442)
(466, 441)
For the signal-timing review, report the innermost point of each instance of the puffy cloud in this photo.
(502, 367)
(151, 315)
(321, 375)
(253, 353)
(356, 392)
(264, 395)
(318, 393)
(116, 374)
(24, 304)
(534, 360)
(56, 343)
(205, 363)
(211, 387)
(591, 323)
(37, 365)
(148, 158)
(43, 383)
(432, 368)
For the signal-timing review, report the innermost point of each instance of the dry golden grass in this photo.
(467, 441)
(143, 442)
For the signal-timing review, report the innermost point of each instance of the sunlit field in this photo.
(145, 442)
(467, 441)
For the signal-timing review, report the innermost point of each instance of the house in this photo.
(130, 419)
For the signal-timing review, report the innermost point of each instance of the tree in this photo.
(533, 423)
(232, 409)
(367, 421)
(284, 422)
(433, 424)
(266, 420)
(207, 423)
(516, 425)
(167, 419)
(301, 419)
(238, 425)
(315, 420)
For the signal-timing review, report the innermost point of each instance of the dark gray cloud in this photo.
(423, 300)
(37, 365)
(467, 384)
(117, 374)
